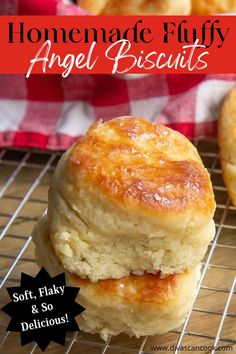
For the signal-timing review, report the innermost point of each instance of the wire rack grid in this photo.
(24, 180)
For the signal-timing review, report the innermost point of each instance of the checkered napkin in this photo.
(49, 112)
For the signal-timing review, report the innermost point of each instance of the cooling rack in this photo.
(210, 327)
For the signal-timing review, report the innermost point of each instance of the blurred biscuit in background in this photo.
(137, 7)
(227, 142)
(211, 7)
(95, 7)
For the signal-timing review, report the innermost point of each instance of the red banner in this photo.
(118, 45)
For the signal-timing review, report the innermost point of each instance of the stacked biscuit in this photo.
(158, 7)
(129, 219)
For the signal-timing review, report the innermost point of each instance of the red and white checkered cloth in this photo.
(48, 112)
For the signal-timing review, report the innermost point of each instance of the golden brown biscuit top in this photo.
(147, 288)
(142, 164)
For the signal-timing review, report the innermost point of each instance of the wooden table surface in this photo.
(206, 316)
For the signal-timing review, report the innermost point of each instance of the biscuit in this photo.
(227, 142)
(130, 197)
(211, 7)
(95, 7)
(137, 7)
(135, 305)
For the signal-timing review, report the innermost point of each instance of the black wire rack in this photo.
(210, 325)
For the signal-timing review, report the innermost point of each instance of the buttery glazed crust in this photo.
(213, 7)
(142, 165)
(147, 288)
(227, 142)
(137, 7)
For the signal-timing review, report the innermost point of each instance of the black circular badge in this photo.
(43, 309)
